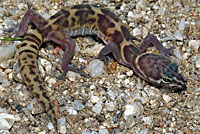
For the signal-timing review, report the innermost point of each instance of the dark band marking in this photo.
(34, 46)
(23, 44)
(117, 37)
(32, 72)
(126, 33)
(33, 36)
(27, 51)
(44, 94)
(110, 14)
(81, 7)
(104, 23)
(33, 41)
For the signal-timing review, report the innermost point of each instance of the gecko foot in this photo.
(73, 69)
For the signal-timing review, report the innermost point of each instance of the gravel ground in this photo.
(117, 101)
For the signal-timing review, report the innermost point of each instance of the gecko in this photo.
(91, 20)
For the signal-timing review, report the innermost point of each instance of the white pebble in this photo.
(50, 126)
(177, 53)
(182, 24)
(110, 106)
(167, 98)
(71, 110)
(136, 31)
(197, 62)
(147, 120)
(73, 76)
(133, 110)
(195, 44)
(94, 99)
(92, 87)
(130, 14)
(7, 51)
(6, 121)
(77, 105)
(97, 107)
(96, 68)
(178, 35)
(6, 83)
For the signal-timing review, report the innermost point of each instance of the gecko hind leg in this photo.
(30, 17)
(69, 46)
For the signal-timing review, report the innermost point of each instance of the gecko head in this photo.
(161, 72)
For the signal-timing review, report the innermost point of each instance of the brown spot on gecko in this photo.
(41, 87)
(24, 58)
(61, 21)
(104, 23)
(117, 37)
(30, 56)
(110, 14)
(126, 33)
(83, 15)
(44, 94)
(31, 66)
(73, 21)
(43, 104)
(37, 79)
(33, 62)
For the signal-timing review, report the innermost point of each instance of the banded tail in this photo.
(28, 51)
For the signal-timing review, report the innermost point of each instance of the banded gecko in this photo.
(91, 20)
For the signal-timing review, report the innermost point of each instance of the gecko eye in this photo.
(166, 80)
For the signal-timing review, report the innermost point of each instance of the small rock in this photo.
(182, 24)
(50, 126)
(6, 121)
(110, 106)
(94, 99)
(136, 31)
(177, 53)
(133, 110)
(195, 44)
(97, 107)
(197, 63)
(167, 98)
(96, 68)
(7, 52)
(73, 76)
(147, 120)
(178, 35)
(77, 105)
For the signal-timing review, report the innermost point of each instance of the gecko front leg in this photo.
(151, 39)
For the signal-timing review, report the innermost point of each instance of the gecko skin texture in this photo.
(92, 20)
